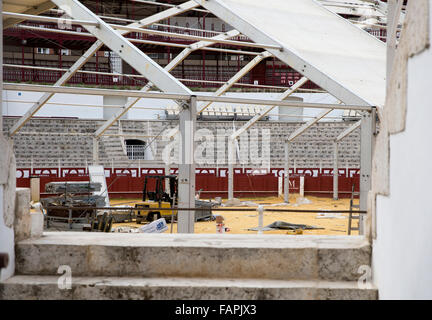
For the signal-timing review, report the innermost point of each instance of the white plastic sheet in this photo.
(339, 50)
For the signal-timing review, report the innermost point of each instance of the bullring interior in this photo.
(201, 128)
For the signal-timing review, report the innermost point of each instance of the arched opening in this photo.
(135, 149)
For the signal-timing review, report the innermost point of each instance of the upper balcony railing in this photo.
(23, 33)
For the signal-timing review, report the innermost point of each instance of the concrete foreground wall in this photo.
(402, 246)
(6, 223)
(312, 149)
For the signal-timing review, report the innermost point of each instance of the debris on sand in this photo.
(330, 215)
(281, 225)
(237, 203)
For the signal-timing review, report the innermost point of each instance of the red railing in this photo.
(269, 75)
(283, 78)
(128, 182)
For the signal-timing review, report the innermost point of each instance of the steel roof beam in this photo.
(308, 124)
(124, 48)
(174, 63)
(267, 109)
(243, 22)
(32, 17)
(88, 54)
(174, 96)
(34, 10)
(240, 74)
(348, 131)
(198, 38)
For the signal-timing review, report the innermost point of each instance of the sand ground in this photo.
(239, 222)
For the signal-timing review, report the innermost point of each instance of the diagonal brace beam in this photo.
(89, 53)
(124, 48)
(348, 131)
(308, 124)
(285, 53)
(267, 109)
(236, 78)
(174, 63)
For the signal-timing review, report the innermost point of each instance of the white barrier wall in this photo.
(402, 251)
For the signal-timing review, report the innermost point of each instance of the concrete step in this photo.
(132, 288)
(282, 257)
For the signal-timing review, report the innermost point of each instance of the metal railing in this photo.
(260, 209)
(136, 152)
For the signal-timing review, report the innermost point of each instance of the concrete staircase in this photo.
(173, 266)
(111, 149)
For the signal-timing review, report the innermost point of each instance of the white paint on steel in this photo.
(348, 131)
(240, 74)
(308, 124)
(173, 96)
(124, 48)
(333, 53)
(268, 109)
(88, 54)
(174, 63)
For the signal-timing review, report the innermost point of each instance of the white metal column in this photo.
(231, 163)
(335, 171)
(367, 145)
(340, 137)
(286, 172)
(186, 176)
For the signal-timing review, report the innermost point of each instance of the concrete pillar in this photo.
(335, 171)
(286, 172)
(366, 149)
(7, 242)
(109, 112)
(186, 176)
(231, 162)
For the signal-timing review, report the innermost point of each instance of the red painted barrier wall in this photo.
(248, 183)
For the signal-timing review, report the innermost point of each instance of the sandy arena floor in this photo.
(239, 222)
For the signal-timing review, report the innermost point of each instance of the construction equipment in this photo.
(75, 195)
(158, 198)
